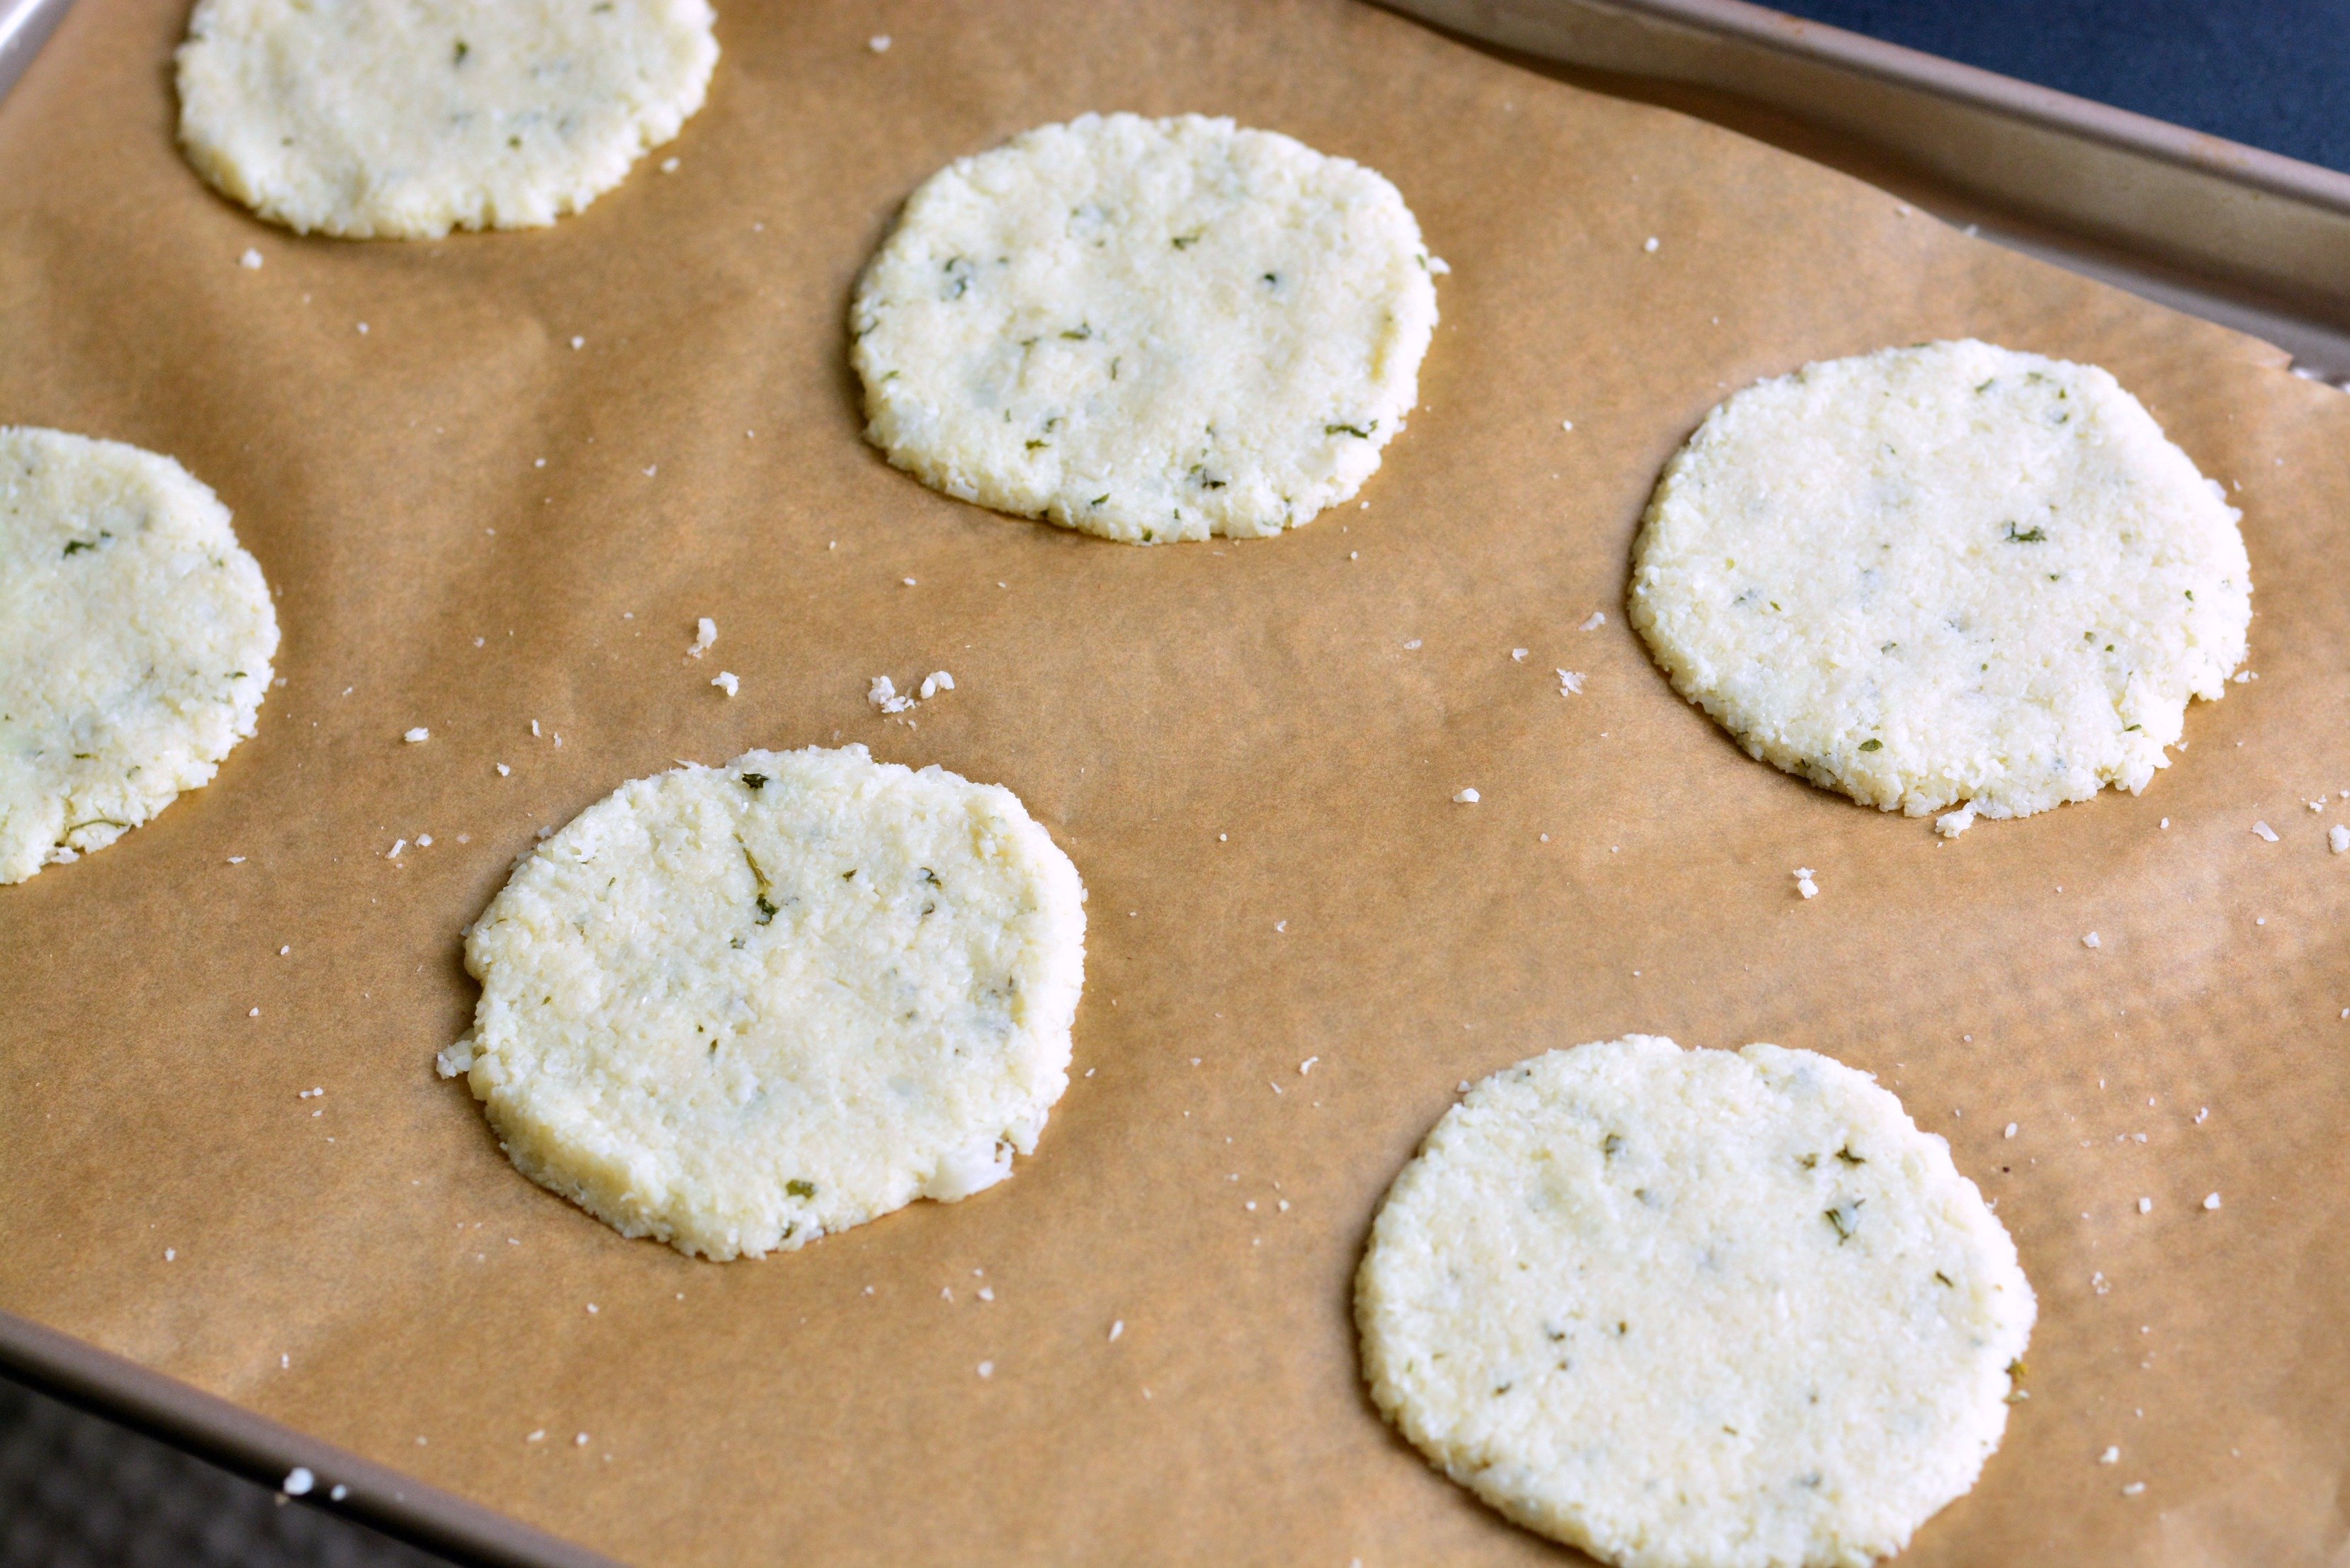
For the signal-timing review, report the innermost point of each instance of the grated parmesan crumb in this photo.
(250, 261)
(935, 683)
(883, 694)
(987, 1370)
(879, 42)
(1950, 824)
(2338, 837)
(1570, 682)
(2010, 1132)
(726, 681)
(1598, 618)
(2112, 1456)
(2091, 940)
(2133, 1488)
(1803, 883)
(1518, 656)
(1651, 246)
(2265, 831)
(298, 1483)
(705, 632)
(417, 736)
(2212, 1201)
(1467, 797)
(2146, 1205)
(504, 771)
(669, 166)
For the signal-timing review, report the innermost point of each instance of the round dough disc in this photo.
(135, 640)
(1147, 329)
(1943, 573)
(736, 1007)
(405, 118)
(1695, 1309)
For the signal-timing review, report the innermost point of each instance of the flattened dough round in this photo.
(1146, 330)
(405, 118)
(1694, 1309)
(1943, 573)
(135, 640)
(736, 1007)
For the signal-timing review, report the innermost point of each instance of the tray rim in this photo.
(2274, 174)
(260, 1450)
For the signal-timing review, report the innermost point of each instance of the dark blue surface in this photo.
(2273, 74)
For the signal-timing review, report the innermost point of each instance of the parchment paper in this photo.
(1253, 772)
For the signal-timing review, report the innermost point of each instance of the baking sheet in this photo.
(366, 1267)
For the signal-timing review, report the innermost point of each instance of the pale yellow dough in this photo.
(1953, 573)
(737, 1008)
(407, 119)
(135, 641)
(1694, 1309)
(1147, 329)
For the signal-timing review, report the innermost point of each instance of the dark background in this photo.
(2273, 74)
(79, 1492)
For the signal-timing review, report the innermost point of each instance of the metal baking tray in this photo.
(24, 26)
(2249, 239)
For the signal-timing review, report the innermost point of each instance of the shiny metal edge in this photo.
(2250, 239)
(262, 1450)
(24, 26)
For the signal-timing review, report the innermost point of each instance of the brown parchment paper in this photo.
(1253, 772)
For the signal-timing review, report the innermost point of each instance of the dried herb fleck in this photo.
(1845, 1154)
(1610, 1144)
(1872, 745)
(799, 1189)
(1355, 430)
(764, 900)
(2037, 536)
(755, 782)
(462, 50)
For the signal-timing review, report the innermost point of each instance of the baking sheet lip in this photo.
(2255, 168)
(24, 26)
(264, 1451)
